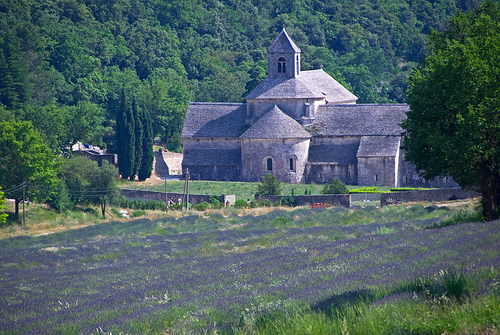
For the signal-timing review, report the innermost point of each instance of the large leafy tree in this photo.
(454, 124)
(25, 158)
(86, 182)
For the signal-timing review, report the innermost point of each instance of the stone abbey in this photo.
(301, 126)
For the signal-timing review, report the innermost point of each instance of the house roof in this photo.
(275, 124)
(333, 153)
(283, 44)
(360, 120)
(379, 146)
(315, 84)
(214, 120)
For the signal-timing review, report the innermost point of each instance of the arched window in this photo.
(269, 164)
(293, 164)
(249, 163)
(281, 65)
(297, 65)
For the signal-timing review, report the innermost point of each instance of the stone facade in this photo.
(301, 126)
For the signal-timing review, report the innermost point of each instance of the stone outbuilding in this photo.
(301, 126)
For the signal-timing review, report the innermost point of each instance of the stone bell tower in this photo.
(283, 58)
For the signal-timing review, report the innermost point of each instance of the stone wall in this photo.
(443, 194)
(341, 200)
(194, 199)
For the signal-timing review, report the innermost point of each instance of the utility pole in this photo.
(166, 197)
(24, 200)
(187, 188)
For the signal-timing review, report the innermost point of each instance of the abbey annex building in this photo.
(301, 126)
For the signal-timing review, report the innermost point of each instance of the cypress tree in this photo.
(125, 138)
(147, 148)
(121, 122)
(130, 144)
(139, 137)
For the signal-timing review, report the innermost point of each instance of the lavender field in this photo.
(212, 273)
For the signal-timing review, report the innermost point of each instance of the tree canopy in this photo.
(269, 185)
(453, 127)
(25, 160)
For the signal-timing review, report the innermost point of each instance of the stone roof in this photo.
(275, 124)
(315, 84)
(360, 120)
(333, 153)
(214, 120)
(379, 146)
(283, 44)
(212, 157)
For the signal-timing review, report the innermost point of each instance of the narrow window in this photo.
(249, 163)
(293, 164)
(269, 164)
(375, 178)
(297, 65)
(281, 65)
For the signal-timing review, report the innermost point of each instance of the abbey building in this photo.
(301, 126)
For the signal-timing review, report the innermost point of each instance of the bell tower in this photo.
(283, 58)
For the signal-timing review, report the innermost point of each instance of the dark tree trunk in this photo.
(16, 210)
(103, 208)
(488, 194)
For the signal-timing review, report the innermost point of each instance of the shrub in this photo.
(202, 206)
(240, 203)
(368, 189)
(335, 187)
(266, 203)
(138, 213)
(288, 201)
(269, 185)
(214, 201)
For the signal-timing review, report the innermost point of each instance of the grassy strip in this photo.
(412, 308)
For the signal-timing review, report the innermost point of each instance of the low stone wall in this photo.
(194, 199)
(341, 200)
(443, 194)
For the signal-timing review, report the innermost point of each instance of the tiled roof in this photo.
(362, 119)
(283, 44)
(212, 157)
(276, 124)
(314, 84)
(333, 153)
(379, 146)
(214, 120)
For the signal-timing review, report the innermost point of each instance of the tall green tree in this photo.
(139, 137)
(453, 127)
(25, 159)
(269, 185)
(146, 166)
(14, 90)
(125, 138)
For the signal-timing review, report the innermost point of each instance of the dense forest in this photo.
(68, 65)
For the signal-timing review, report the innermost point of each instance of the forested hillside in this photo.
(67, 64)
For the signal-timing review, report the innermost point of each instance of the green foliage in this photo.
(462, 216)
(86, 182)
(240, 203)
(368, 189)
(25, 158)
(269, 185)
(3, 216)
(335, 187)
(203, 206)
(123, 202)
(288, 201)
(214, 202)
(451, 129)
